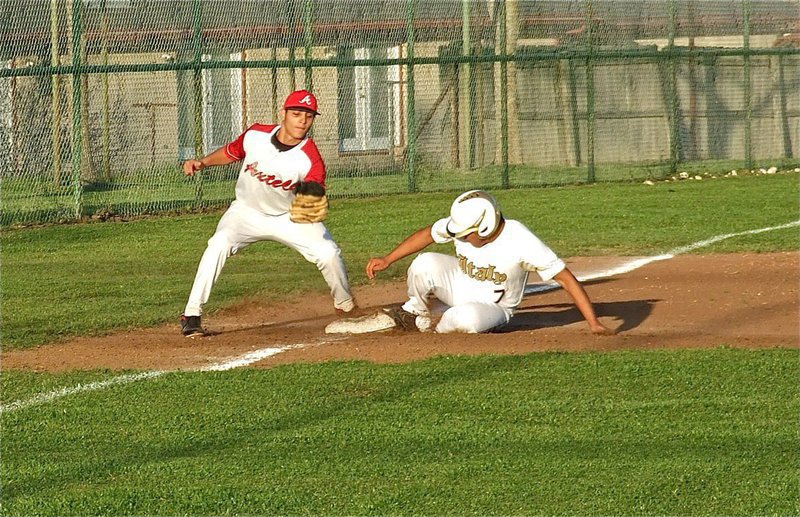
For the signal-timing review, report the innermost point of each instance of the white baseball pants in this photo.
(241, 226)
(435, 275)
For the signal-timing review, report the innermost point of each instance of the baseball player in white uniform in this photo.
(276, 161)
(480, 288)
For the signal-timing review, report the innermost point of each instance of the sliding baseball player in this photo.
(482, 285)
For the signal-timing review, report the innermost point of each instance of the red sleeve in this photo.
(317, 172)
(235, 149)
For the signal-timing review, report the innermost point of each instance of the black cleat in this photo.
(402, 318)
(191, 326)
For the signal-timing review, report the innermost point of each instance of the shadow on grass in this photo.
(632, 313)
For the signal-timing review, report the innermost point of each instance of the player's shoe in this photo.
(402, 318)
(355, 312)
(191, 326)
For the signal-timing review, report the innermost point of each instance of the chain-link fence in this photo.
(103, 99)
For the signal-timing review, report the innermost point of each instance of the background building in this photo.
(425, 94)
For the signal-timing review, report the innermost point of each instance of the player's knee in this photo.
(328, 254)
(464, 319)
(221, 243)
(469, 320)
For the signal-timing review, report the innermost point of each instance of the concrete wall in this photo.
(150, 111)
(142, 108)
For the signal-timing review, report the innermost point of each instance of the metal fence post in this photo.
(748, 94)
(106, 101)
(55, 85)
(503, 96)
(411, 116)
(197, 75)
(590, 113)
(672, 90)
(308, 34)
(467, 90)
(77, 121)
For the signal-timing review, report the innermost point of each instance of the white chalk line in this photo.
(43, 398)
(636, 264)
(237, 362)
(258, 355)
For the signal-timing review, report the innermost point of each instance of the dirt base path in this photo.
(691, 301)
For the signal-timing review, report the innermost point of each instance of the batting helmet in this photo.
(474, 211)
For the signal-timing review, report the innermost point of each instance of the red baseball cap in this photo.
(301, 100)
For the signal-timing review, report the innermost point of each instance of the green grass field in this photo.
(700, 432)
(164, 188)
(630, 433)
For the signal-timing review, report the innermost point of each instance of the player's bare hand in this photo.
(192, 167)
(376, 264)
(599, 329)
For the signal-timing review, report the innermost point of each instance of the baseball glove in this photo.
(310, 203)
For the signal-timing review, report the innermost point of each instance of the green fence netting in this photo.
(103, 99)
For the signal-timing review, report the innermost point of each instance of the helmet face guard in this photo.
(474, 211)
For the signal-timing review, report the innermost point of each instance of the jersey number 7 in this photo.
(500, 293)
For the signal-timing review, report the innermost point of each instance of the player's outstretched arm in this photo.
(574, 288)
(218, 157)
(415, 242)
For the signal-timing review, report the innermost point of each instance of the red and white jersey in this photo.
(268, 176)
(500, 268)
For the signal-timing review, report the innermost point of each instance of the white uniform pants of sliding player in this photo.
(466, 309)
(242, 225)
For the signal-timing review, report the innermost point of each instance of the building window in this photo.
(222, 102)
(368, 101)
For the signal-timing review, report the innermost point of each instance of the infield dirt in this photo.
(691, 301)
